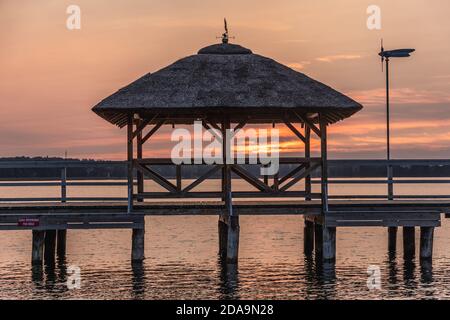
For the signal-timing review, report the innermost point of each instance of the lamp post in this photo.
(385, 56)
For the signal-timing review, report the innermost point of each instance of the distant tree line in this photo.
(118, 170)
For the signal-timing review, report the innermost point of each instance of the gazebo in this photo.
(227, 86)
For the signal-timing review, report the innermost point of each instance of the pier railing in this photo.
(358, 173)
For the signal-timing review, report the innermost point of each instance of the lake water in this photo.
(182, 262)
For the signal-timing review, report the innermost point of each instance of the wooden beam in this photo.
(213, 131)
(324, 156)
(153, 131)
(163, 182)
(308, 185)
(130, 156)
(247, 176)
(202, 178)
(142, 125)
(140, 175)
(295, 131)
(299, 177)
(292, 173)
(309, 123)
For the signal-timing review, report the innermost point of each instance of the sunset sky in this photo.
(51, 76)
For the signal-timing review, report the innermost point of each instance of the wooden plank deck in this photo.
(214, 207)
(114, 214)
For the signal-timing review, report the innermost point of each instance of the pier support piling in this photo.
(50, 246)
(61, 243)
(138, 245)
(409, 242)
(392, 239)
(37, 253)
(318, 239)
(426, 243)
(308, 237)
(233, 240)
(325, 243)
(329, 244)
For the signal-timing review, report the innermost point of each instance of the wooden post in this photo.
(409, 242)
(61, 243)
(179, 178)
(229, 228)
(223, 235)
(37, 253)
(308, 237)
(329, 244)
(426, 243)
(390, 183)
(63, 185)
(50, 246)
(308, 186)
(130, 162)
(138, 243)
(140, 175)
(318, 240)
(323, 148)
(392, 239)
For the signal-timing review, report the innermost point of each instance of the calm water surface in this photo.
(182, 263)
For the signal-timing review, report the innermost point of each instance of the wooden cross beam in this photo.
(294, 130)
(153, 131)
(202, 178)
(214, 130)
(247, 176)
(163, 182)
(142, 126)
(299, 177)
(309, 123)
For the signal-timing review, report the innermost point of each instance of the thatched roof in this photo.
(225, 78)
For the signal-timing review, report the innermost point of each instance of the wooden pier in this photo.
(222, 89)
(50, 222)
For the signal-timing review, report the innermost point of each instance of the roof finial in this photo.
(225, 37)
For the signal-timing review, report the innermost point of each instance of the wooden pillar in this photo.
(308, 186)
(229, 228)
(138, 243)
(140, 175)
(390, 176)
(318, 239)
(426, 243)
(409, 242)
(324, 156)
(50, 246)
(223, 235)
(63, 185)
(61, 243)
(329, 244)
(130, 162)
(392, 239)
(37, 252)
(308, 237)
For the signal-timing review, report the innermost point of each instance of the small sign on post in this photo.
(28, 222)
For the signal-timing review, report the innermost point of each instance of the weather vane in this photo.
(225, 36)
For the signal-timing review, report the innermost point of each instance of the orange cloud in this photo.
(400, 95)
(339, 57)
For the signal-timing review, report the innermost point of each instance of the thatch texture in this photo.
(225, 78)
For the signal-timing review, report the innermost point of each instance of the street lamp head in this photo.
(399, 53)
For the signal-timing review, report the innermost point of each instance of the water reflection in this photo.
(229, 280)
(426, 271)
(138, 280)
